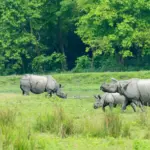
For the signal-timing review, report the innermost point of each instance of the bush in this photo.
(44, 63)
(83, 63)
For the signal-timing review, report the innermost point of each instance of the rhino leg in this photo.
(139, 103)
(49, 93)
(124, 105)
(133, 106)
(115, 105)
(25, 90)
(103, 108)
(111, 106)
(141, 106)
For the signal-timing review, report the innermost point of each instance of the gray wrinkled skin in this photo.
(111, 100)
(135, 90)
(39, 84)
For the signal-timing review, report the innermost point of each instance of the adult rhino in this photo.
(111, 100)
(135, 90)
(39, 84)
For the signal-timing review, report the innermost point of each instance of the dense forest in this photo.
(39, 36)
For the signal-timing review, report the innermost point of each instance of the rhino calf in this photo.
(40, 84)
(112, 100)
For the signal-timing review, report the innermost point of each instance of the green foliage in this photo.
(82, 64)
(18, 36)
(110, 63)
(109, 26)
(42, 36)
(141, 145)
(48, 63)
(107, 63)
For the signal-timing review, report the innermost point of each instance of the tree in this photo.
(19, 33)
(113, 26)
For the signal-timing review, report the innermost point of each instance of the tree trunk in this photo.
(61, 44)
(121, 60)
(92, 61)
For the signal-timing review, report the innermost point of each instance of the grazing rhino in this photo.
(135, 90)
(39, 84)
(111, 100)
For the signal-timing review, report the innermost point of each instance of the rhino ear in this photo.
(114, 80)
(99, 96)
(95, 96)
(59, 85)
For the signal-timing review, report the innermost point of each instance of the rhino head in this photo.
(59, 93)
(110, 87)
(118, 86)
(98, 101)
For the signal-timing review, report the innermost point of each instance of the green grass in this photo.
(35, 122)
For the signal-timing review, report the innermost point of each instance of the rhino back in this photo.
(108, 98)
(38, 83)
(144, 89)
(130, 90)
(118, 99)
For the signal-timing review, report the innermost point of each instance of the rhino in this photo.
(135, 90)
(40, 84)
(111, 100)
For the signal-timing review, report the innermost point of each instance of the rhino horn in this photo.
(95, 96)
(114, 80)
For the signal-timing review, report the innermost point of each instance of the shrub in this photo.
(44, 63)
(83, 63)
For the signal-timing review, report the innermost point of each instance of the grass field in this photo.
(35, 122)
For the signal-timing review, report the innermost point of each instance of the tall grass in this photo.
(13, 136)
(16, 138)
(143, 119)
(56, 122)
(109, 125)
(7, 117)
(61, 124)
